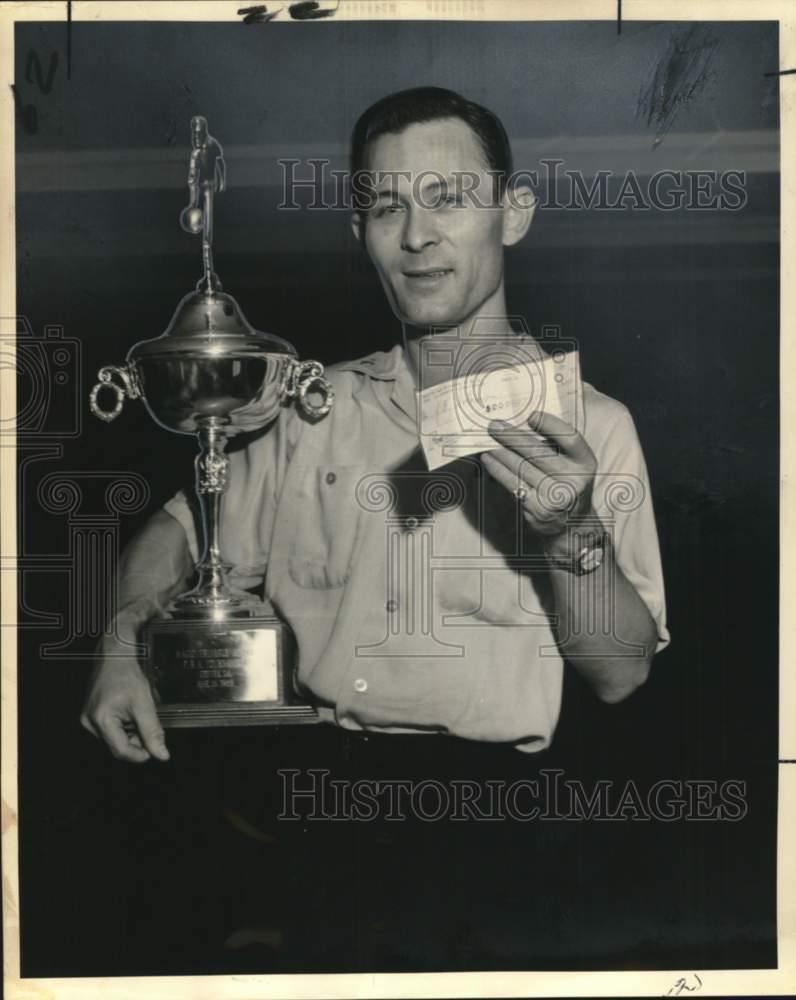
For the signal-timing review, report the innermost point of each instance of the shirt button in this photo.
(392, 605)
(360, 685)
(331, 478)
(411, 523)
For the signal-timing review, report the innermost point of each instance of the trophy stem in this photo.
(212, 475)
(212, 597)
(211, 281)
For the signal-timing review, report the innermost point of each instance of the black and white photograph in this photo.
(392, 455)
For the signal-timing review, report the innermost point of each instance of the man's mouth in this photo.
(428, 274)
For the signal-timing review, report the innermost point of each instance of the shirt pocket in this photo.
(327, 517)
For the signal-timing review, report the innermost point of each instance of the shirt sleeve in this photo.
(623, 500)
(248, 507)
(180, 509)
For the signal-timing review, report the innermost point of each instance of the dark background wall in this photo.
(675, 313)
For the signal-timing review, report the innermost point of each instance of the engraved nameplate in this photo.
(215, 662)
(231, 673)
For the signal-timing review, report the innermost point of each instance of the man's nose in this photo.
(420, 230)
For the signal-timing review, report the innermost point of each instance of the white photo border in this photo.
(771, 982)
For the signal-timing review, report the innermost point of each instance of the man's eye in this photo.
(453, 201)
(391, 209)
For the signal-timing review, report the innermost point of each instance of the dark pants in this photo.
(257, 881)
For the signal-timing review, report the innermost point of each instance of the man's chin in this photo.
(430, 314)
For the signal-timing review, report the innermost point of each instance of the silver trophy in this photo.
(220, 656)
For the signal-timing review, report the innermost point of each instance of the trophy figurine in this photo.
(219, 656)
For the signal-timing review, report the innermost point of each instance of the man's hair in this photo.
(395, 112)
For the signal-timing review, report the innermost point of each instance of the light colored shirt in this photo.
(418, 601)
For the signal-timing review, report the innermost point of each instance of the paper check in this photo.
(454, 416)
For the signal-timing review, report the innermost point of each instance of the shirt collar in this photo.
(379, 364)
(389, 366)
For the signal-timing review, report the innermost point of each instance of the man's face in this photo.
(439, 253)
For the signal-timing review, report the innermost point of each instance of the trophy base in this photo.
(235, 714)
(233, 672)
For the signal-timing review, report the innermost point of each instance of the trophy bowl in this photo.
(208, 363)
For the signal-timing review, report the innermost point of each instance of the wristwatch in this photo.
(588, 557)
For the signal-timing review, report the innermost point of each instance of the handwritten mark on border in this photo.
(258, 15)
(304, 10)
(682, 985)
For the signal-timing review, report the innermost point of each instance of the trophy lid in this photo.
(210, 324)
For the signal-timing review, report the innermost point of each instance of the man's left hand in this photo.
(549, 468)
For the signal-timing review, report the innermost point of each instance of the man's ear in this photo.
(358, 226)
(519, 205)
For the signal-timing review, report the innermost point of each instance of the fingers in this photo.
(112, 731)
(134, 738)
(543, 517)
(508, 477)
(525, 442)
(546, 500)
(560, 433)
(521, 469)
(551, 494)
(543, 429)
(127, 722)
(149, 728)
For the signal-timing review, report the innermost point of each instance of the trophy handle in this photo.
(128, 388)
(302, 377)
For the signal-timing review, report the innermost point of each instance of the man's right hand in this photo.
(155, 566)
(120, 710)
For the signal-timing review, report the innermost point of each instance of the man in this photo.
(516, 591)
